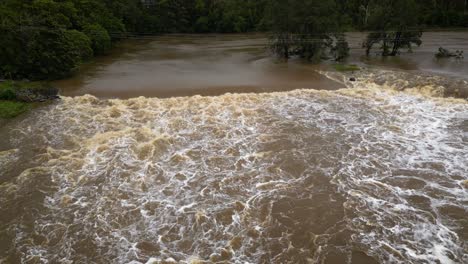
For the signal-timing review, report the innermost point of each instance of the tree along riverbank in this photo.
(48, 40)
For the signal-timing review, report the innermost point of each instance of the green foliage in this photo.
(50, 54)
(100, 39)
(99, 12)
(436, 13)
(48, 39)
(202, 24)
(40, 53)
(80, 44)
(443, 13)
(203, 16)
(49, 14)
(38, 40)
(16, 97)
(13, 90)
(308, 29)
(394, 24)
(7, 91)
(11, 109)
(346, 67)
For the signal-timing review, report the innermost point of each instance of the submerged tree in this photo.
(393, 23)
(309, 29)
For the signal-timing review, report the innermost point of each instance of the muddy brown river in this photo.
(312, 168)
(187, 65)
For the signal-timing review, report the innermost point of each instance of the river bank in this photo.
(303, 163)
(187, 65)
(17, 97)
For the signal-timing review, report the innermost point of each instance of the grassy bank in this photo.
(17, 97)
(10, 109)
(346, 67)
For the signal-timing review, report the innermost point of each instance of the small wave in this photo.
(414, 83)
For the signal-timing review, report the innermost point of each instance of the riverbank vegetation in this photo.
(16, 97)
(395, 26)
(10, 109)
(50, 39)
(309, 29)
(9, 106)
(346, 67)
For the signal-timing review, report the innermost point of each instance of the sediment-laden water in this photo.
(366, 174)
(187, 65)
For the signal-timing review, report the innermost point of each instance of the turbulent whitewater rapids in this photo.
(361, 175)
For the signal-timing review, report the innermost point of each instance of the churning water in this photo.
(366, 174)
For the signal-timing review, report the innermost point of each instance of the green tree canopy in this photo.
(309, 29)
(100, 39)
(394, 24)
(31, 30)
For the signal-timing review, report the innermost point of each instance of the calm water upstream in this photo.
(186, 65)
(373, 171)
(189, 65)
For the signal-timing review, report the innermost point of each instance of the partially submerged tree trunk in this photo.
(308, 29)
(394, 22)
(392, 42)
(366, 10)
(396, 44)
(280, 44)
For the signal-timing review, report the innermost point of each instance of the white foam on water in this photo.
(8, 157)
(250, 178)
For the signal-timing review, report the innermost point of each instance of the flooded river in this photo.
(372, 171)
(186, 65)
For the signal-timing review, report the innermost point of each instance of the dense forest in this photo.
(49, 39)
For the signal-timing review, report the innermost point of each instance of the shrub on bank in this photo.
(7, 91)
(346, 67)
(17, 97)
(80, 45)
(41, 54)
(100, 39)
(44, 40)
